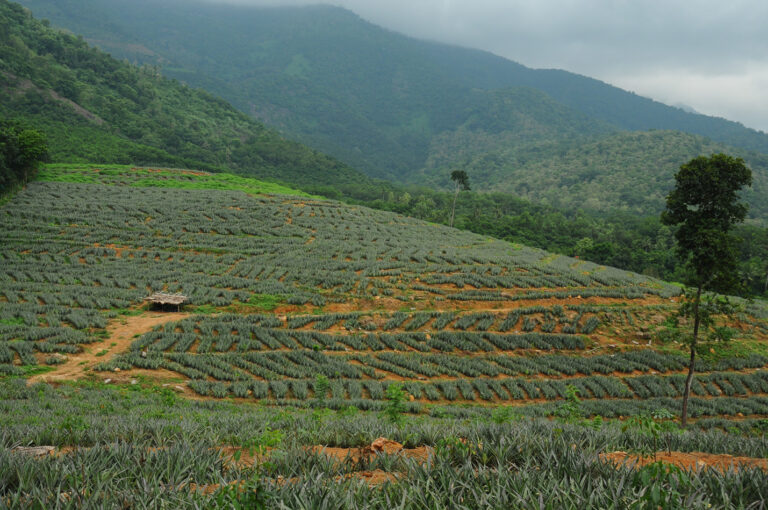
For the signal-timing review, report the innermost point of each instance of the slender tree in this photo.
(704, 205)
(461, 182)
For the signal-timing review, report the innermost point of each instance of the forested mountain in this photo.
(631, 171)
(411, 110)
(94, 108)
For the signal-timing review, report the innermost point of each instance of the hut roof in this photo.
(164, 298)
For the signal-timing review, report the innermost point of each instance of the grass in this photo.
(129, 312)
(205, 309)
(18, 321)
(161, 178)
(31, 370)
(265, 302)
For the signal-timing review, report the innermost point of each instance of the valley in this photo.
(339, 345)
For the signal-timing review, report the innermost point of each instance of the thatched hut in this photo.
(163, 299)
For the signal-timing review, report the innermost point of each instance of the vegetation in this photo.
(704, 206)
(377, 100)
(344, 324)
(92, 107)
(461, 182)
(268, 261)
(628, 171)
(640, 244)
(167, 110)
(509, 374)
(112, 440)
(21, 152)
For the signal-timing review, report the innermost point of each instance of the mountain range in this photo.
(409, 110)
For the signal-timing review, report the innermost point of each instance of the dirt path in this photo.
(121, 334)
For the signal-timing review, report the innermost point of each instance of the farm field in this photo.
(302, 314)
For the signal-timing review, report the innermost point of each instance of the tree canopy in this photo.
(705, 206)
(21, 151)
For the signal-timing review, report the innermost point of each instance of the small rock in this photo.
(117, 370)
(107, 381)
(385, 445)
(181, 389)
(134, 381)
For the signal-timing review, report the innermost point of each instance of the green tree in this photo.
(461, 182)
(704, 206)
(322, 386)
(21, 152)
(395, 406)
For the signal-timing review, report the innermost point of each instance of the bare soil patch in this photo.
(695, 461)
(380, 446)
(122, 331)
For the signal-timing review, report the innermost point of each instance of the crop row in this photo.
(500, 389)
(256, 338)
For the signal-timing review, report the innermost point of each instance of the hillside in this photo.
(627, 171)
(284, 288)
(95, 108)
(330, 349)
(387, 104)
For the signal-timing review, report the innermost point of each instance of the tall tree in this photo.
(461, 182)
(704, 205)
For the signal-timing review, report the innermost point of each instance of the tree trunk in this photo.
(453, 209)
(689, 379)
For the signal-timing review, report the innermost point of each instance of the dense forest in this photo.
(626, 171)
(93, 108)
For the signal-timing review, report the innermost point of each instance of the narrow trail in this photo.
(121, 334)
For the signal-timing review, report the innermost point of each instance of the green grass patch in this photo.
(30, 370)
(17, 321)
(205, 309)
(265, 302)
(128, 313)
(125, 175)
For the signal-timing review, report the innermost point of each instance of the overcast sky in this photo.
(711, 55)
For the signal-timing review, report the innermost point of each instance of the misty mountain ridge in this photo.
(400, 108)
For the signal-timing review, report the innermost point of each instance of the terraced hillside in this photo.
(285, 288)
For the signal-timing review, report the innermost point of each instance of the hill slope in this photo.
(411, 110)
(285, 288)
(94, 108)
(629, 171)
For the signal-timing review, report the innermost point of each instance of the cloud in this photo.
(710, 54)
